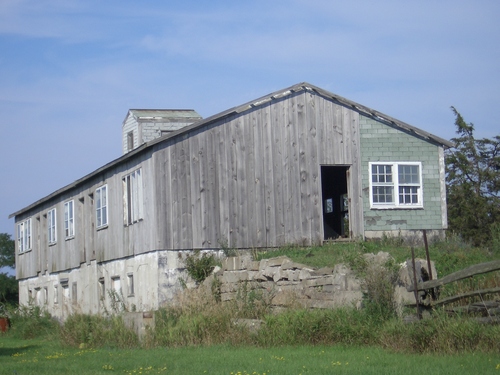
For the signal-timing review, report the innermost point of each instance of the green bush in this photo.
(30, 321)
(81, 330)
(200, 267)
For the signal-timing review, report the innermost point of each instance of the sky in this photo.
(70, 70)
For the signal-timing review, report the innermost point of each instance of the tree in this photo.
(9, 289)
(473, 184)
(7, 251)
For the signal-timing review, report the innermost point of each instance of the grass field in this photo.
(24, 357)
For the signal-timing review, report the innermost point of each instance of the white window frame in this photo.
(24, 242)
(396, 185)
(133, 197)
(101, 206)
(52, 226)
(69, 219)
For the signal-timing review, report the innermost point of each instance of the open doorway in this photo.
(335, 201)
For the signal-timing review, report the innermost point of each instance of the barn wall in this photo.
(380, 142)
(253, 179)
(90, 289)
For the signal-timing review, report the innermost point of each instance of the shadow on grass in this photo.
(10, 351)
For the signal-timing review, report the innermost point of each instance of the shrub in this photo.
(30, 321)
(81, 330)
(200, 267)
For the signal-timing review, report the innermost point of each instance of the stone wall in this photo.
(285, 283)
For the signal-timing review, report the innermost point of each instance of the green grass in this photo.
(38, 356)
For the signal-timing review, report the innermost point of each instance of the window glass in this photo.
(101, 206)
(390, 178)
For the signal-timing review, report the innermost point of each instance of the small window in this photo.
(117, 288)
(56, 295)
(24, 236)
(74, 295)
(101, 198)
(132, 197)
(102, 289)
(69, 219)
(396, 185)
(130, 284)
(130, 141)
(52, 226)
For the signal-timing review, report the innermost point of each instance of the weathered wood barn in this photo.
(297, 166)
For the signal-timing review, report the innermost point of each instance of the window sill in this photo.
(102, 227)
(396, 207)
(70, 238)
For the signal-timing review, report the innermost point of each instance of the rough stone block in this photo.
(316, 294)
(229, 287)
(232, 264)
(293, 275)
(273, 262)
(304, 274)
(234, 276)
(322, 271)
(290, 265)
(279, 275)
(325, 280)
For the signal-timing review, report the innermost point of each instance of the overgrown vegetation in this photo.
(199, 318)
(200, 265)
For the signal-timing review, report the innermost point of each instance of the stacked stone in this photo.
(288, 282)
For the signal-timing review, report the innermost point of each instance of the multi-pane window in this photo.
(52, 226)
(132, 197)
(69, 219)
(101, 198)
(24, 236)
(396, 185)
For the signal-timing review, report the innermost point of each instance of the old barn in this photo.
(298, 166)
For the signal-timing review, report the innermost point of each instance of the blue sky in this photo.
(70, 70)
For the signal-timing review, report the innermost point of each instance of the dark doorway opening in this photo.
(335, 201)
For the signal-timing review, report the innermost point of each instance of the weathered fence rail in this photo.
(474, 270)
(489, 309)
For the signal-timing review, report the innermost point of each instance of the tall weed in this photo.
(30, 321)
(93, 331)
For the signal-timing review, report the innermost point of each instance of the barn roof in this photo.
(162, 115)
(304, 86)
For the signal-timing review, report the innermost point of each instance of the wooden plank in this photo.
(245, 172)
(268, 143)
(232, 202)
(314, 169)
(463, 274)
(208, 178)
(223, 174)
(458, 297)
(166, 197)
(279, 169)
(293, 212)
(257, 233)
(186, 240)
(176, 195)
(305, 169)
(194, 188)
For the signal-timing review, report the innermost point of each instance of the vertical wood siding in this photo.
(253, 179)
